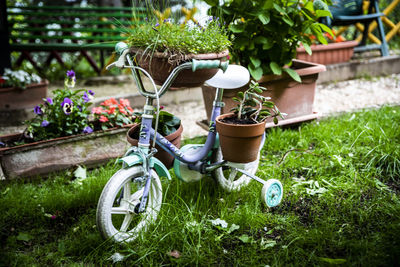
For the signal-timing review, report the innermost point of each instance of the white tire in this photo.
(272, 193)
(230, 179)
(116, 217)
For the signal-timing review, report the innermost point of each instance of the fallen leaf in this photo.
(24, 237)
(176, 254)
(117, 257)
(219, 222)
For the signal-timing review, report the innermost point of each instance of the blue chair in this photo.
(348, 12)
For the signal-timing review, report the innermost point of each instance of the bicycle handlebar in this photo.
(209, 64)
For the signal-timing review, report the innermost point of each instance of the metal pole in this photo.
(5, 61)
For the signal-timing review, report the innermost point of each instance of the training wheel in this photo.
(272, 193)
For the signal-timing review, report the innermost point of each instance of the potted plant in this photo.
(159, 46)
(64, 133)
(265, 37)
(240, 132)
(169, 126)
(19, 90)
(337, 50)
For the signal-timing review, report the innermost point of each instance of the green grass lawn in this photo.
(341, 205)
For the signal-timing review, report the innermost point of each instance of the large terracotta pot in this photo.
(328, 54)
(166, 158)
(159, 66)
(239, 142)
(15, 102)
(293, 98)
(43, 157)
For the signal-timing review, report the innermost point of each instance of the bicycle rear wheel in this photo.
(117, 215)
(229, 178)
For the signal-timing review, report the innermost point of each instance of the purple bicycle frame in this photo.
(147, 132)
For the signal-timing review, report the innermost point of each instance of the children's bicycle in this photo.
(132, 197)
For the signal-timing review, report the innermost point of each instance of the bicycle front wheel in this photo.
(231, 179)
(117, 215)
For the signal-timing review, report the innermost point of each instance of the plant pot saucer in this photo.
(293, 121)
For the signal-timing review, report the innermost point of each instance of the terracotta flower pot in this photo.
(159, 66)
(295, 99)
(239, 142)
(43, 157)
(328, 54)
(166, 158)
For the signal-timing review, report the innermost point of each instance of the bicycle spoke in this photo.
(119, 210)
(127, 191)
(232, 174)
(126, 223)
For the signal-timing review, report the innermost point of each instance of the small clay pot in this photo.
(166, 158)
(239, 143)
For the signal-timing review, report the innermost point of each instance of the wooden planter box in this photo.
(16, 102)
(295, 99)
(328, 54)
(47, 156)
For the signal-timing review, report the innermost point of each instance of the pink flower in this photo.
(111, 110)
(109, 102)
(122, 109)
(97, 110)
(103, 119)
(124, 102)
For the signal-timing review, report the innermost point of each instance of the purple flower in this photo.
(91, 92)
(67, 106)
(157, 24)
(45, 123)
(49, 101)
(2, 144)
(71, 74)
(87, 129)
(146, 19)
(38, 110)
(85, 97)
(79, 107)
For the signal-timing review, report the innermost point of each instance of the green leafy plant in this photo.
(167, 122)
(19, 79)
(253, 107)
(179, 39)
(266, 33)
(65, 114)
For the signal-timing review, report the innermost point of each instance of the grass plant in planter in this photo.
(240, 132)
(169, 126)
(265, 35)
(161, 46)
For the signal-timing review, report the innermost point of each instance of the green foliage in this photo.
(177, 39)
(167, 122)
(270, 31)
(252, 106)
(64, 114)
(341, 205)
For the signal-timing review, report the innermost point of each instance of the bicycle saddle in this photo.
(234, 77)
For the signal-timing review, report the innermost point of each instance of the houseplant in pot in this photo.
(240, 132)
(159, 46)
(265, 37)
(19, 91)
(337, 50)
(169, 126)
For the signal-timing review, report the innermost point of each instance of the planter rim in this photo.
(185, 57)
(223, 116)
(322, 47)
(32, 85)
(171, 136)
(238, 129)
(302, 68)
(54, 141)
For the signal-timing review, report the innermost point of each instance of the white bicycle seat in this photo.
(234, 77)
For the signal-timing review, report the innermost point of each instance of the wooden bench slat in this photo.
(128, 9)
(61, 37)
(117, 31)
(69, 14)
(60, 47)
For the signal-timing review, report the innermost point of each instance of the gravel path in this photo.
(330, 98)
